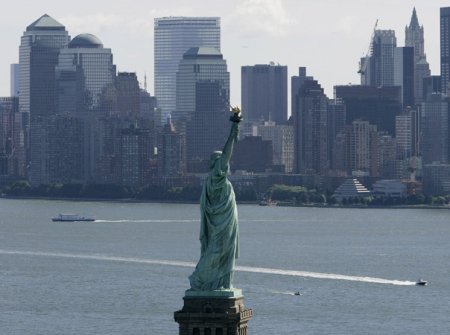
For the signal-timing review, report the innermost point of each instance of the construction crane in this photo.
(363, 65)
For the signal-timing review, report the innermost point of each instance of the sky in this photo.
(327, 36)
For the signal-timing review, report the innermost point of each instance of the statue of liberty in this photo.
(219, 234)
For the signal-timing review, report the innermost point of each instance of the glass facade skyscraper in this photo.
(38, 55)
(173, 37)
(85, 78)
(85, 74)
(264, 92)
(202, 91)
(445, 50)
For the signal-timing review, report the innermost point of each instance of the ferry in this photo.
(72, 218)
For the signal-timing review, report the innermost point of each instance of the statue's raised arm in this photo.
(236, 118)
(219, 236)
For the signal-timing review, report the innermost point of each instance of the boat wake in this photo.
(143, 221)
(305, 274)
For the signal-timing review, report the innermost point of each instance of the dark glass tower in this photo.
(38, 55)
(264, 92)
(445, 49)
(311, 130)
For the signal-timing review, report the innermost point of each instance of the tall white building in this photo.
(173, 37)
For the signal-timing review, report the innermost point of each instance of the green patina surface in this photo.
(219, 234)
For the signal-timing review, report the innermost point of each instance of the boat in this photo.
(422, 282)
(72, 218)
(268, 202)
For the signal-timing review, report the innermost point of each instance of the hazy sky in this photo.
(326, 36)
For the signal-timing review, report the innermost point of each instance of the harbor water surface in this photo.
(126, 273)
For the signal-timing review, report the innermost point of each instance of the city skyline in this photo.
(253, 32)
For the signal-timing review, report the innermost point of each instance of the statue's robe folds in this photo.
(219, 234)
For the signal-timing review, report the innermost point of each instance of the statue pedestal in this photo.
(218, 312)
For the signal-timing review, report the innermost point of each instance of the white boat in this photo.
(72, 218)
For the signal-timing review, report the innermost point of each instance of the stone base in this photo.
(218, 312)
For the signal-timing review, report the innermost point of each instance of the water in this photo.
(126, 273)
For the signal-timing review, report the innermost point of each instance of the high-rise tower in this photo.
(85, 76)
(264, 92)
(382, 58)
(202, 90)
(445, 50)
(38, 55)
(85, 73)
(173, 37)
(414, 37)
(311, 129)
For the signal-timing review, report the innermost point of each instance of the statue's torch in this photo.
(236, 117)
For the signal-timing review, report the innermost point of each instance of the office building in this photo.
(253, 154)
(296, 83)
(202, 109)
(407, 134)
(378, 68)
(336, 127)
(85, 76)
(171, 157)
(14, 80)
(436, 179)
(282, 138)
(431, 84)
(264, 92)
(38, 55)
(445, 50)
(414, 37)
(310, 130)
(128, 93)
(134, 156)
(404, 74)
(378, 105)
(12, 149)
(85, 81)
(434, 129)
(384, 163)
(173, 36)
(363, 148)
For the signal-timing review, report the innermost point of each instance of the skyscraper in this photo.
(202, 91)
(378, 105)
(12, 150)
(310, 130)
(173, 37)
(404, 74)
(380, 68)
(85, 78)
(434, 129)
(264, 92)
(414, 37)
(38, 54)
(14, 81)
(445, 50)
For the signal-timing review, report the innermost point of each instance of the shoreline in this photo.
(130, 200)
